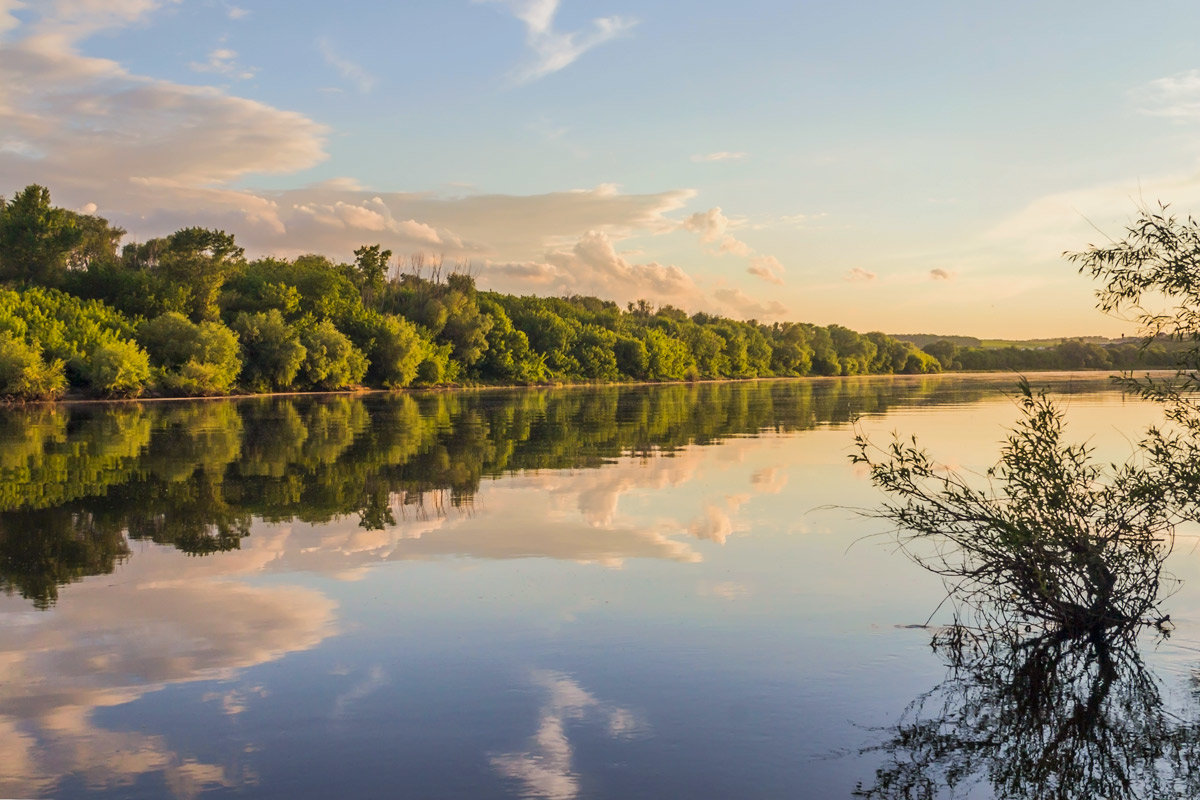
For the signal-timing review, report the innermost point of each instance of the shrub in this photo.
(189, 358)
(394, 346)
(24, 374)
(117, 368)
(331, 360)
(271, 350)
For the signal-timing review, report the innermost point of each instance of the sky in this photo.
(905, 167)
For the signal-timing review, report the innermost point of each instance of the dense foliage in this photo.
(189, 314)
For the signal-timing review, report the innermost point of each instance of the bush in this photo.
(436, 365)
(24, 375)
(271, 350)
(65, 327)
(191, 359)
(331, 360)
(117, 368)
(394, 347)
(169, 339)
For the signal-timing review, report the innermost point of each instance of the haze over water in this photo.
(579, 593)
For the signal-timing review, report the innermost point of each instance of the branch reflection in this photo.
(1047, 716)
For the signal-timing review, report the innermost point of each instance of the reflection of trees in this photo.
(1043, 717)
(45, 548)
(73, 479)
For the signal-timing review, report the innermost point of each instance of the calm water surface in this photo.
(578, 593)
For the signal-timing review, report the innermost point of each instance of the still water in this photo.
(621, 592)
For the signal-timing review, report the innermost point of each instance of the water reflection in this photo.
(1049, 716)
(109, 645)
(545, 769)
(77, 480)
(192, 659)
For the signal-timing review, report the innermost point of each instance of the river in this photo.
(614, 592)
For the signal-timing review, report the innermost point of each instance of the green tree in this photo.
(36, 239)
(271, 350)
(331, 361)
(370, 273)
(197, 261)
(191, 359)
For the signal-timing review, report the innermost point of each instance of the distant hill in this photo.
(922, 339)
(1034, 344)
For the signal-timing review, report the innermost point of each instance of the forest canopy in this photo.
(84, 311)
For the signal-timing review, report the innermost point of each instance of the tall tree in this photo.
(36, 238)
(199, 260)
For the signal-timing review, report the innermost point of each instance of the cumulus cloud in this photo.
(858, 274)
(737, 303)
(939, 274)
(766, 267)
(511, 236)
(769, 480)
(735, 247)
(712, 225)
(554, 50)
(353, 73)
(594, 266)
(92, 127)
(722, 155)
(7, 20)
(53, 678)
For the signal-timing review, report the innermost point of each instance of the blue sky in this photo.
(904, 167)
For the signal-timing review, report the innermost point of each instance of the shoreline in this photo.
(84, 400)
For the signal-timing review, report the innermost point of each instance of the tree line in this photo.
(189, 315)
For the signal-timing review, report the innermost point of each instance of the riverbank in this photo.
(76, 399)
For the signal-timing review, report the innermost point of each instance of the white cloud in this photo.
(97, 127)
(858, 274)
(7, 20)
(769, 480)
(768, 268)
(552, 49)
(722, 155)
(73, 20)
(939, 274)
(735, 247)
(711, 224)
(593, 266)
(355, 74)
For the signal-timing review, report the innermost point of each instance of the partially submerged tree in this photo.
(1050, 538)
